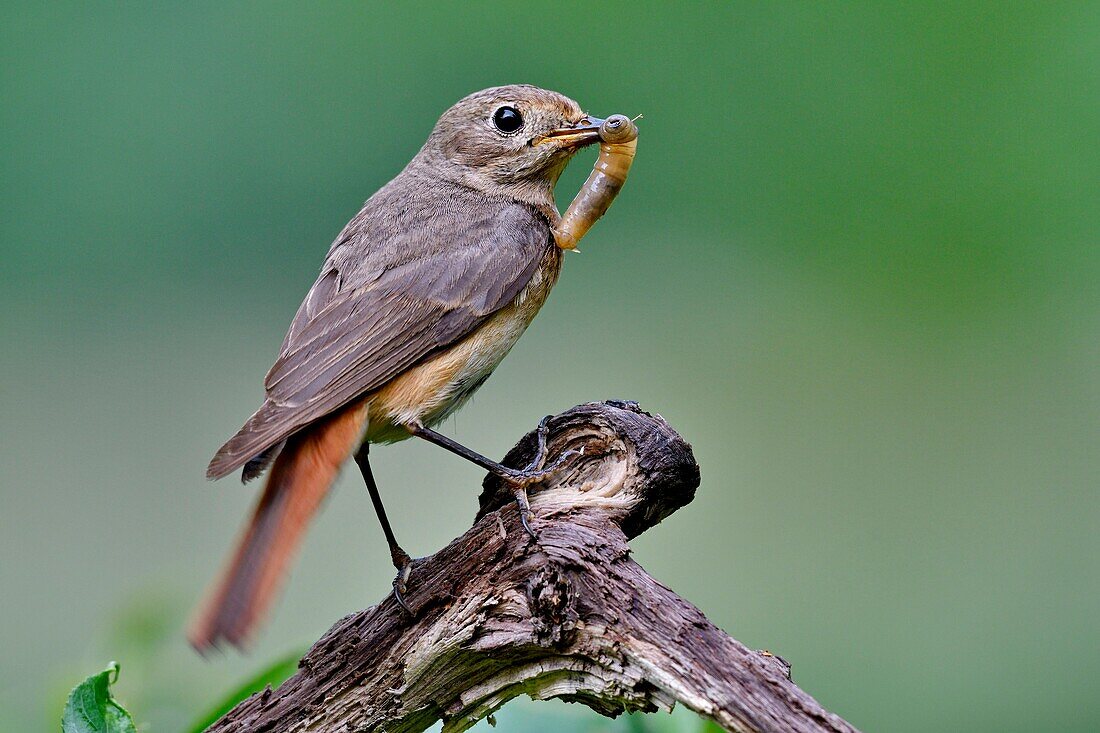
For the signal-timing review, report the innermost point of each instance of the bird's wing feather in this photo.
(380, 307)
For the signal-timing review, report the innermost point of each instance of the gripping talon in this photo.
(542, 433)
(531, 475)
(401, 582)
(397, 591)
(525, 516)
(562, 459)
(525, 520)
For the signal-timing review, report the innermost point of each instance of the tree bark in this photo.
(569, 616)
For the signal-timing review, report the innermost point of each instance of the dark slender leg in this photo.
(401, 559)
(519, 478)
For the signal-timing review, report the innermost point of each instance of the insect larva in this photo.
(618, 141)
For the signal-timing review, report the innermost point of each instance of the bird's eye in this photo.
(507, 119)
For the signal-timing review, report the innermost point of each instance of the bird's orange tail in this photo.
(295, 487)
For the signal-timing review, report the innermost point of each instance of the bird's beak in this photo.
(584, 132)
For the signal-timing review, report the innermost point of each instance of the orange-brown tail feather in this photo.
(294, 490)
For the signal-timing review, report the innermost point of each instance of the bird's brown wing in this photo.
(378, 309)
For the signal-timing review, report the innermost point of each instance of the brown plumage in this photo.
(420, 297)
(299, 480)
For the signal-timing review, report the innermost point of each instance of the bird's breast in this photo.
(439, 385)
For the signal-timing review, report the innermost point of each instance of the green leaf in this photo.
(274, 675)
(91, 709)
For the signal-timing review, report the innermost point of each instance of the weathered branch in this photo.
(570, 616)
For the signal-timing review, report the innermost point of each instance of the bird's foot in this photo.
(532, 473)
(524, 507)
(536, 470)
(543, 450)
(403, 563)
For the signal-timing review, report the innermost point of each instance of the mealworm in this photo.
(618, 141)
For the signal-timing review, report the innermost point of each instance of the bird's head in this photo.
(514, 140)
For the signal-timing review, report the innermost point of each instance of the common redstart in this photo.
(419, 299)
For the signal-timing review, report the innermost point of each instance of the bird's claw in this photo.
(403, 563)
(398, 594)
(525, 519)
(534, 472)
(542, 433)
(525, 515)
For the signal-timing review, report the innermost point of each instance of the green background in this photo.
(856, 266)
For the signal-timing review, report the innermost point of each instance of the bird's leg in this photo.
(401, 559)
(518, 478)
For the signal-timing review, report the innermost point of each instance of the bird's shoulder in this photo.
(420, 239)
(415, 218)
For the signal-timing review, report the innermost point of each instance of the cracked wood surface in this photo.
(570, 616)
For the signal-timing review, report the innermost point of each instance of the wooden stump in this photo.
(569, 616)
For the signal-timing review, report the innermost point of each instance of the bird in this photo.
(418, 300)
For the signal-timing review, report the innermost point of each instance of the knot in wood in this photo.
(553, 604)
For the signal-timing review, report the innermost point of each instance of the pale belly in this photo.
(441, 384)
